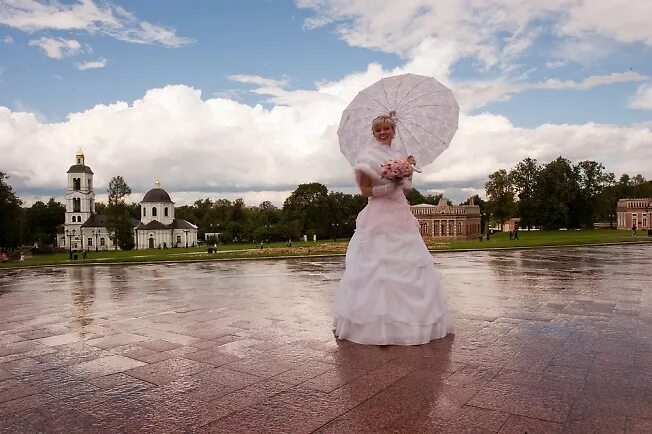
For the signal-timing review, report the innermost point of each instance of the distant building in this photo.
(84, 229)
(158, 226)
(448, 221)
(634, 211)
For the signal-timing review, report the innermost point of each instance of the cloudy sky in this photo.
(243, 99)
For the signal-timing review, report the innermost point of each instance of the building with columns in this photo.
(445, 221)
(84, 229)
(632, 212)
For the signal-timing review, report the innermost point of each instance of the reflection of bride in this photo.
(390, 293)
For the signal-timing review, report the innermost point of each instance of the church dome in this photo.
(157, 194)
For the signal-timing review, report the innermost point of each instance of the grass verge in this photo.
(249, 251)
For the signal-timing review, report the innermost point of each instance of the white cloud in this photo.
(643, 98)
(216, 145)
(94, 64)
(473, 95)
(585, 51)
(260, 81)
(487, 142)
(623, 20)
(57, 48)
(8, 40)
(103, 18)
(221, 148)
(556, 64)
(493, 32)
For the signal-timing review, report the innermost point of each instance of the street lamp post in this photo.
(70, 234)
(96, 233)
(186, 232)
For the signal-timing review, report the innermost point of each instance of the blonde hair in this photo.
(382, 121)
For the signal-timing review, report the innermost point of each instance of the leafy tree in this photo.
(477, 200)
(500, 193)
(343, 210)
(415, 197)
(592, 181)
(306, 206)
(523, 178)
(118, 190)
(557, 187)
(607, 200)
(119, 220)
(42, 221)
(638, 180)
(10, 215)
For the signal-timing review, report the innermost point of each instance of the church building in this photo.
(84, 229)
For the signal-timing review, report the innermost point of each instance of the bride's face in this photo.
(384, 134)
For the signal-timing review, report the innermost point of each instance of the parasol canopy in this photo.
(425, 111)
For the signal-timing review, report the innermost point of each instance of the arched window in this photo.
(165, 211)
(76, 204)
(90, 242)
(76, 184)
(102, 241)
(153, 211)
(144, 212)
(459, 227)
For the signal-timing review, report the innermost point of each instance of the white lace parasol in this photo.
(425, 112)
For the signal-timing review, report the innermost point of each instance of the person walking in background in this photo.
(634, 230)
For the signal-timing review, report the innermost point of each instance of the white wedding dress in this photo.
(390, 293)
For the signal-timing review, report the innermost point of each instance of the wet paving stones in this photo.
(547, 340)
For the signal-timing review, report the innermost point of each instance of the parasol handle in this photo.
(410, 159)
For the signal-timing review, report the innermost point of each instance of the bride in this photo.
(390, 293)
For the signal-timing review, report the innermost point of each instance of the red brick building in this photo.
(448, 221)
(634, 211)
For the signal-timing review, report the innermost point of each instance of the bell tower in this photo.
(80, 199)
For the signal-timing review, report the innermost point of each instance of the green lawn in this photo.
(250, 251)
(546, 238)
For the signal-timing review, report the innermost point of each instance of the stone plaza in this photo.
(546, 340)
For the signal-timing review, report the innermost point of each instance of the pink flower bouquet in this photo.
(397, 169)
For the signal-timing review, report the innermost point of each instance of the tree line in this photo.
(553, 195)
(311, 209)
(560, 194)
